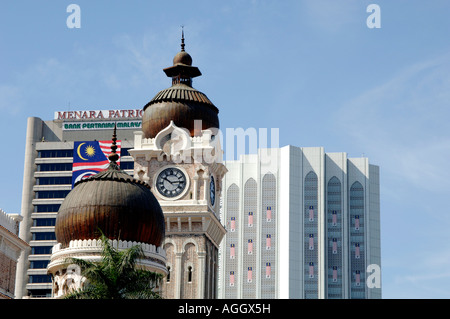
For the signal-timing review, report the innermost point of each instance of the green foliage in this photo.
(116, 275)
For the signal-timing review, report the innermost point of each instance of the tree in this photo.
(116, 275)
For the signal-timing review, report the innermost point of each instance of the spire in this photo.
(182, 38)
(182, 70)
(113, 157)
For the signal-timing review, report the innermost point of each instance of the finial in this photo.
(113, 157)
(182, 38)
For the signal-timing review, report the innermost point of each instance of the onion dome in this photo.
(115, 203)
(180, 103)
(182, 57)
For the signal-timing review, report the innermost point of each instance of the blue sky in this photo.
(311, 68)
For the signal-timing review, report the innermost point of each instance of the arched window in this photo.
(189, 261)
(232, 237)
(170, 258)
(310, 200)
(232, 207)
(268, 235)
(189, 274)
(334, 240)
(357, 243)
(250, 235)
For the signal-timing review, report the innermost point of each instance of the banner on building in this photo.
(90, 158)
(103, 125)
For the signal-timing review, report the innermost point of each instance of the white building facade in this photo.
(301, 223)
(11, 247)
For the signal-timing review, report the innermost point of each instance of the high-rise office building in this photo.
(301, 223)
(49, 156)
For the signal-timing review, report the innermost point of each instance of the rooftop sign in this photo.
(99, 115)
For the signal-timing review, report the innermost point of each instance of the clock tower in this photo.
(178, 153)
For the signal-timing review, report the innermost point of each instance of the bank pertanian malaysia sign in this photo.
(76, 120)
(104, 125)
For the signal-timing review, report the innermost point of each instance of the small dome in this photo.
(180, 103)
(183, 105)
(182, 57)
(115, 203)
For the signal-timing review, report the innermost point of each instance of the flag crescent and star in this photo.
(96, 160)
(79, 154)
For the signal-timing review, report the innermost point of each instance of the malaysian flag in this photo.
(268, 241)
(358, 278)
(231, 278)
(269, 213)
(90, 158)
(311, 241)
(357, 252)
(250, 247)
(334, 218)
(232, 251)
(233, 223)
(311, 270)
(357, 222)
(267, 270)
(249, 274)
(334, 245)
(311, 213)
(250, 219)
(334, 274)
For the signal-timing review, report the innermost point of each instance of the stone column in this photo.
(205, 186)
(178, 257)
(34, 135)
(201, 274)
(195, 188)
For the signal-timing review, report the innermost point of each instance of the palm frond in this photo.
(116, 275)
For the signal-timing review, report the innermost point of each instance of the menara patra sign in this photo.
(124, 119)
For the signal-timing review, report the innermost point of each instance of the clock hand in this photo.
(167, 180)
(171, 182)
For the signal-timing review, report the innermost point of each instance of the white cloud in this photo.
(403, 124)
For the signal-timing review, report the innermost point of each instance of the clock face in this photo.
(171, 182)
(212, 191)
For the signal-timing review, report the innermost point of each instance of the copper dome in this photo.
(180, 103)
(115, 203)
(183, 105)
(182, 57)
